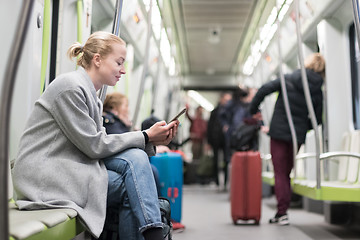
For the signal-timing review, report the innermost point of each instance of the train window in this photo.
(355, 67)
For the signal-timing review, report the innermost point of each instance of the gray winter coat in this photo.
(59, 162)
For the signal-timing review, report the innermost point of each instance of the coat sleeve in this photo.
(265, 90)
(211, 124)
(71, 113)
(318, 108)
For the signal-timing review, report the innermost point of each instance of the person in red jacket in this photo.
(198, 129)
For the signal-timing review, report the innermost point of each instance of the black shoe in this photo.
(281, 219)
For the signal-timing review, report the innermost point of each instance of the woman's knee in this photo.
(136, 153)
(129, 158)
(135, 158)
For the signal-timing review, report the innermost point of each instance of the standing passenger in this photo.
(64, 149)
(198, 130)
(215, 135)
(281, 141)
(231, 115)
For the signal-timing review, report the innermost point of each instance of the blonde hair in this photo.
(98, 42)
(114, 100)
(316, 62)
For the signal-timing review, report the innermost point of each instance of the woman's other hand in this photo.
(264, 129)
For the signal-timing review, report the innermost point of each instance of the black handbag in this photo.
(165, 211)
(111, 228)
(245, 137)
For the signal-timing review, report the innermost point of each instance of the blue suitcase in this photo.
(170, 167)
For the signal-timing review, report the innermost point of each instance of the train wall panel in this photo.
(27, 86)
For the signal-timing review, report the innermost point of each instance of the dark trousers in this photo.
(216, 151)
(282, 158)
(227, 157)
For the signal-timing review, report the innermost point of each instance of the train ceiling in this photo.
(211, 37)
(210, 33)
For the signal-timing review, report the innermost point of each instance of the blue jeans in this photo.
(155, 172)
(132, 192)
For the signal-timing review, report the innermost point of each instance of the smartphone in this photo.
(178, 115)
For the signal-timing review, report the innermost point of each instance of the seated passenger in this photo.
(64, 149)
(116, 113)
(116, 120)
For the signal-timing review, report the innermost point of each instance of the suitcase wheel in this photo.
(256, 222)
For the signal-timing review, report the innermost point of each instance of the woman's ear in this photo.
(97, 60)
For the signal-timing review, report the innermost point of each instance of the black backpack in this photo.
(245, 137)
(111, 227)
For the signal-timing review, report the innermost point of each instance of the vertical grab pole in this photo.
(307, 94)
(5, 109)
(355, 4)
(146, 66)
(156, 82)
(116, 31)
(117, 18)
(45, 44)
(79, 6)
(286, 99)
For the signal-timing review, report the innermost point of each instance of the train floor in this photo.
(206, 215)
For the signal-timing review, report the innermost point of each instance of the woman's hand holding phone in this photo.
(161, 133)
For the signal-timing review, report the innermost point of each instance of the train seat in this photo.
(267, 170)
(353, 163)
(346, 187)
(343, 161)
(41, 224)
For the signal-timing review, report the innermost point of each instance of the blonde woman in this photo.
(64, 149)
(281, 141)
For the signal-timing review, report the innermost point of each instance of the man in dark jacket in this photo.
(231, 115)
(215, 135)
(281, 141)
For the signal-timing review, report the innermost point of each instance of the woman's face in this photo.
(112, 66)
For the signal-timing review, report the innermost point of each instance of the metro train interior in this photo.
(187, 53)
